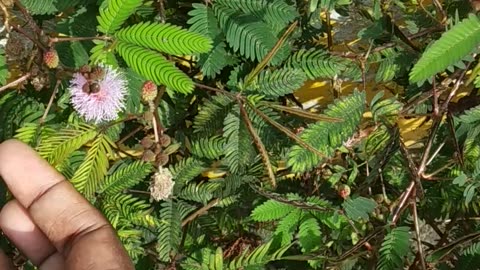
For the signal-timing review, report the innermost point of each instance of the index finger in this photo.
(77, 230)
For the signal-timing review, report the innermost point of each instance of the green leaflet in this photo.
(93, 170)
(165, 38)
(359, 208)
(155, 67)
(277, 13)
(452, 47)
(3, 68)
(278, 83)
(210, 117)
(203, 21)
(113, 14)
(271, 210)
(125, 177)
(317, 64)
(60, 145)
(394, 248)
(325, 136)
(309, 235)
(40, 7)
(210, 148)
(248, 35)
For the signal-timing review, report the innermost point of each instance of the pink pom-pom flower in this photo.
(106, 102)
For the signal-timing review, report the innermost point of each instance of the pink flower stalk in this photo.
(103, 104)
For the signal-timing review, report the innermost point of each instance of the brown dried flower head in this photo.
(161, 186)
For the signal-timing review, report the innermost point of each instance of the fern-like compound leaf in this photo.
(170, 228)
(359, 208)
(317, 64)
(201, 193)
(113, 14)
(451, 48)
(210, 117)
(325, 136)
(40, 7)
(185, 170)
(210, 148)
(126, 210)
(248, 35)
(394, 248)
(239, 151)
(125, 177)
(153, 66)
(93, 170)
(258, 257)
(60, 145)
(386, 109)
(278, 83)
(287, 226)
(3, 68)
(277, 13)
(309, 235)
(165, 38)
(271, 210)
(204, 22)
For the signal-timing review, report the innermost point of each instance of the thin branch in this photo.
(161, 11)
(258, 142)
(213, 89)
(16, 82)
(157, 124)
(50, 102)
(403, 199)
(130, 134)
(417, 232)
(200, 211)
(329, 30)
(67, 39)
(287, 132)
(7, 16)
(21, 31)
(28, 17)
(270, 54)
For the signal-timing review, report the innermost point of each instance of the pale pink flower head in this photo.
(105, 103)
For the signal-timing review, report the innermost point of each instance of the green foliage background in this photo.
(260, 182)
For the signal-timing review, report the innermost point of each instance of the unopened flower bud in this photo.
(51, 58)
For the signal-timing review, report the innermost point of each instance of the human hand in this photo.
(49, 221)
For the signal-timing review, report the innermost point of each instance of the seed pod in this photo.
(162, 159)
(147, 142)
(165, 140)
(148, 156)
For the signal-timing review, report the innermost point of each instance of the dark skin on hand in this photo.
(49, 221)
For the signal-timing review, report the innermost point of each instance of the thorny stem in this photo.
(50, 102)
(21, 31)
(439, 170)
(425, 156)
(28, 17)
(454, 138)
(16, 82)
(417, 232)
